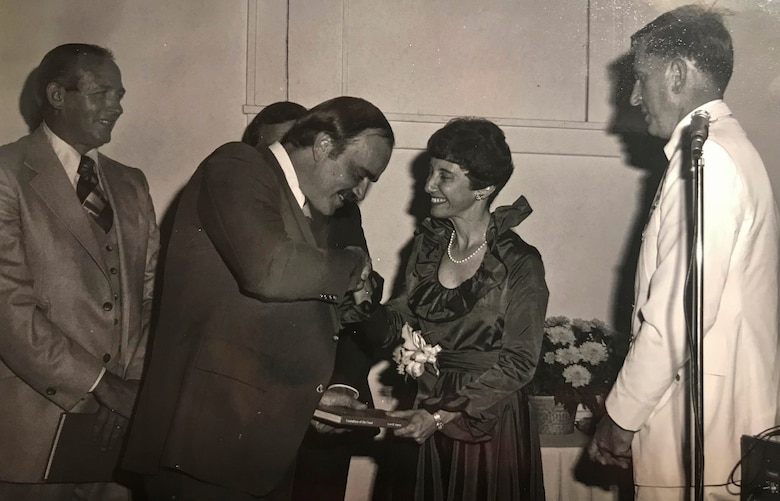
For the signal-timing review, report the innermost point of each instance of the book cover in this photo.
(347, 416)
(75, 454)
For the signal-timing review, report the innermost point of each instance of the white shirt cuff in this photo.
(338, 385)
(97, 381)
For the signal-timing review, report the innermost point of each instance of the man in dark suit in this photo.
(250, 308)
(323, 460)
(79, 242)
(322, 465)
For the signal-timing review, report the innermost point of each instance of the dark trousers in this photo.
(174, 486)
(322, 464)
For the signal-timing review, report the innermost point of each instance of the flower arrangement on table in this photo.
(411, 356)
(580, 360)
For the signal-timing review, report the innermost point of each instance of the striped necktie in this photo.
(91, 196)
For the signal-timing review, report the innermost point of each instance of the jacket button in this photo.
(320, 388)
(335, 338)
(108, 306)
(113, 271)
(676, 377)
(106, 358)
(116, 321)
(109, 248)
(50, 391)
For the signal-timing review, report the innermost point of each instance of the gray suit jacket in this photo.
(57, 306)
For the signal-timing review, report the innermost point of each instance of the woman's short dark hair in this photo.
(693, 32)
(62, 65)
(342, 118)
(479, 147)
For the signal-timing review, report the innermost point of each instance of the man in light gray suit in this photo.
(78, 247)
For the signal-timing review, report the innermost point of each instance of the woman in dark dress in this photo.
(476, 290)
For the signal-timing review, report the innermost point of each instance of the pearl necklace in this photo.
(461, 261)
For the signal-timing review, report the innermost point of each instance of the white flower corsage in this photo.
(412, 355)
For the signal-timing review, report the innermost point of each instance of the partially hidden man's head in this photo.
(272, 123)
(682, 59)
(347, 143)
(80, 87)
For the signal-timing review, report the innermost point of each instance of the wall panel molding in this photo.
(424, 63)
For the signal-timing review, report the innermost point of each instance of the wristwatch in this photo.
(437, 420)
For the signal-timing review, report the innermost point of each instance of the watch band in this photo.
(437, 420)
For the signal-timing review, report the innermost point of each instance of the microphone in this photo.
(699, 129)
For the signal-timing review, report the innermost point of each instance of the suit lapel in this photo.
(125, 209)
(297, 222)
(57, 192)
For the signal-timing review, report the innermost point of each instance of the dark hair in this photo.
(479, 147)
(692, 32)
(62, 65)
(276, 113)
(343, 118)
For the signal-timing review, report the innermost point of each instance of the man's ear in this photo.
(677, 72)
(55, 94)
(323, 144)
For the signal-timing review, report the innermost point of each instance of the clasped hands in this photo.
(360, 287)
(611, 444)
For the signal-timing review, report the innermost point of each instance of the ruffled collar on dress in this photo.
(432, 301)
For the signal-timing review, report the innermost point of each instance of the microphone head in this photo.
(700, 124)
(699, 129)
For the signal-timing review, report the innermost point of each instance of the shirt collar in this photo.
(716, 108)
(67, 154)
(289, 171)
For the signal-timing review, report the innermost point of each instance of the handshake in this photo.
(361, 286)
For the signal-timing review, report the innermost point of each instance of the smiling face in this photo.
(653, 93)
(85, 116)
(347, 176)
(449, 188)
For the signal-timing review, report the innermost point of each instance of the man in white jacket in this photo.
(683, 61)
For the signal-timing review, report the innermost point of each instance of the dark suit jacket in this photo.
(58, 307)
(245, 342)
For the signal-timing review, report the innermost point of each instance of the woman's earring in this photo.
(479, 196)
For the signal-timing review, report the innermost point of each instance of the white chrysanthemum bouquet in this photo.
(414, 353)
(580, 360)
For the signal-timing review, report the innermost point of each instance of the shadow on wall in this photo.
(641, 151)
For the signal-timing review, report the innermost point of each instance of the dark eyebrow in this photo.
(363, 172)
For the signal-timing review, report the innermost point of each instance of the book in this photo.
(347, 416)
(76, 455)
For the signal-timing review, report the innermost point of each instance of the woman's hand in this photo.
(421, 423)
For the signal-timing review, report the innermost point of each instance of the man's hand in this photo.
(109, 428)
(611, 444)
(337, 396)
(116, 394)
(117, 398)
(364, 293)
(358, 282)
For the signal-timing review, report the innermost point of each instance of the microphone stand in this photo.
(696, 319)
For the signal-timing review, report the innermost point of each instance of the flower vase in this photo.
(551, 418)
